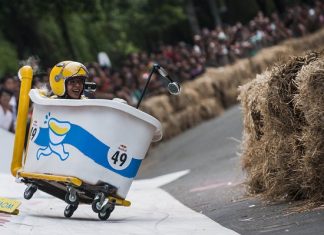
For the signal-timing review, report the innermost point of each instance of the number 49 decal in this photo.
(118, 160)
(33, 132)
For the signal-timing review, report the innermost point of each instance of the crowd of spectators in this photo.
(217, 47)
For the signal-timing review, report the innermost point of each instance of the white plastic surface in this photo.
(94, 140)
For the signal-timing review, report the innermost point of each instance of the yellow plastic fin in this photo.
(120, 202)
(9, 205)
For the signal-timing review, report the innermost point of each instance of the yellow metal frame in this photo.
(120, 202)
(26, 76)
(67, 179)
(57, 178)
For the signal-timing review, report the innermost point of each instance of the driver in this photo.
(67, 80)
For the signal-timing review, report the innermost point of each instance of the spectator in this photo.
(11, 84)
(6, 114)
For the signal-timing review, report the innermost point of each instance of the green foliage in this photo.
(147, 21)
(8, 58)
(51, 36)
(77, 30)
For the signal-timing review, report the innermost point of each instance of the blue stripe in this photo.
(91, 147)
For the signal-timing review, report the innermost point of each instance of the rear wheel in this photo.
(105, 212)
(69, 210)
(29, 191)
(104, 215)
(98, 202)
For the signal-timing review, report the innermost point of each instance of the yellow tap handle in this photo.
(26, 76)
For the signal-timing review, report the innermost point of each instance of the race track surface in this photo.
(215, 184)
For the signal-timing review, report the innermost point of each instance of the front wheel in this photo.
(104, 215)
(105, 212)
(98, 202)
(69, 210)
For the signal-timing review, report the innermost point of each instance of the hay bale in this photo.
(204, 87)
(226, 80)
(285, 118)
(170, 129)
(239, 70)
(254, 103)
(210, 108)
(188, 117)
(310, 100)
(268, 155)
(313, 41)
(268, 57)
(187, 97)
(252, 97)
(158, 106)
(267, 163)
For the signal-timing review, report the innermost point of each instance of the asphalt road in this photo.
(215, 184)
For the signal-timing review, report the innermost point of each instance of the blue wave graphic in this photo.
(91, 147)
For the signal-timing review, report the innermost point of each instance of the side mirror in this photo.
(174, 88)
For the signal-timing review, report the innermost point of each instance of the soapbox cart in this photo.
(81, 151)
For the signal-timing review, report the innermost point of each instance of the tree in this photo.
(192, 17)
(215, 12)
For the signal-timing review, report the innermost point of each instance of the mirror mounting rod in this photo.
(145, 88)
(173, 87)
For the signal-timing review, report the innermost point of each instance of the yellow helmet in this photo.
(64, 70)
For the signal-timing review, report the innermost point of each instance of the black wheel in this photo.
(104, 214)
(29, 191)
(71, 198)
(96, 205)
(69, 210)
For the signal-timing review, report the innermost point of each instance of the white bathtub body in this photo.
(93, 140)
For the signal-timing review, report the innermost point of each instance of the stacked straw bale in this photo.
(310, 99)
(275, 125)
(258, 159)
(284, 117)
(310, 42)
(268, 56)
(170, 128)
(225, 80)
(188, 97)
(188, 117)
(158, 106)
(210, 108)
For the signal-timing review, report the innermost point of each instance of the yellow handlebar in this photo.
(26, 76)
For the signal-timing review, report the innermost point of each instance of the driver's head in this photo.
(67, 79)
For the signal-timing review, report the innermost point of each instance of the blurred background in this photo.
(56, 30)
